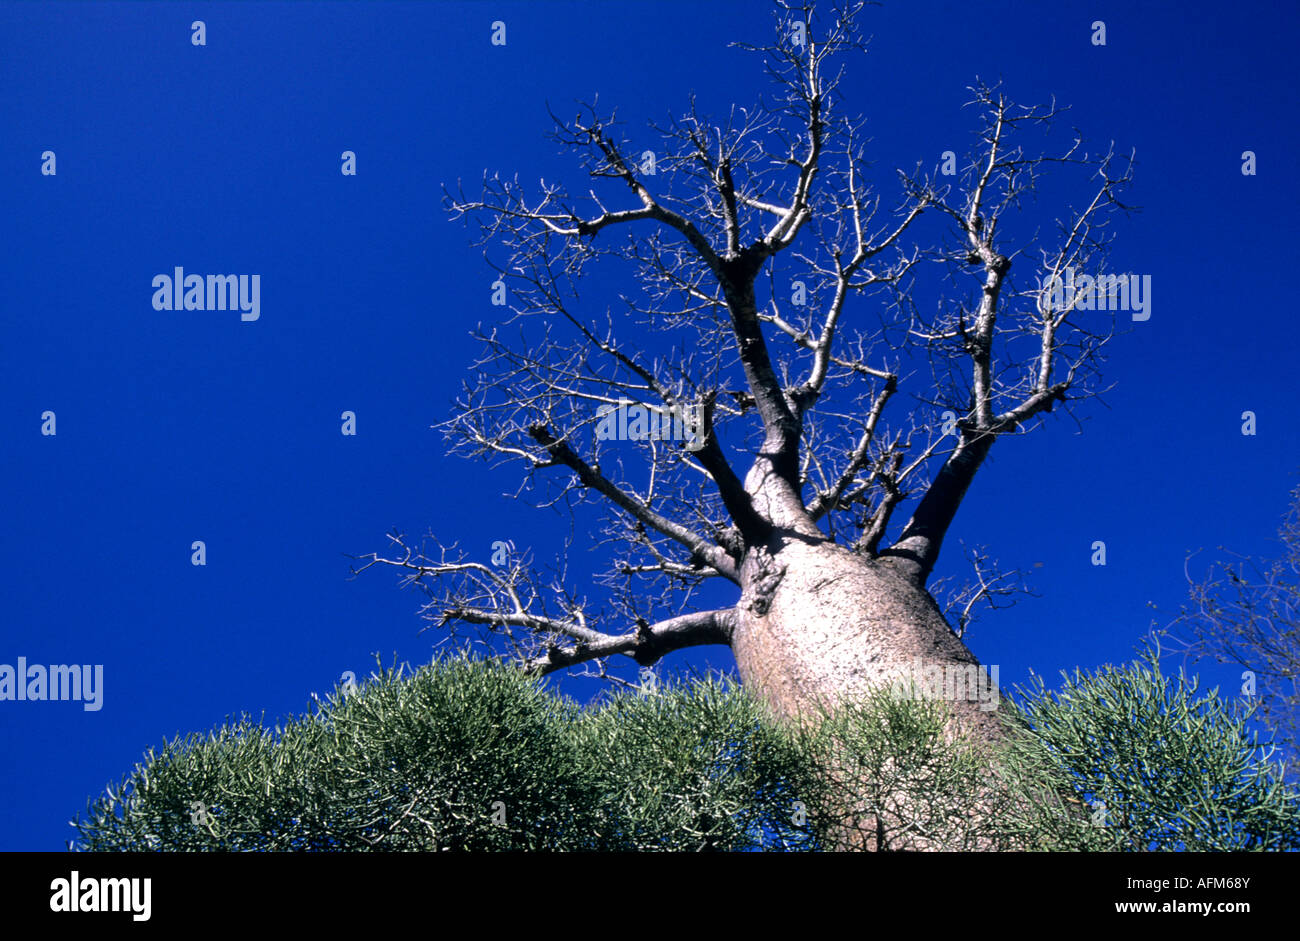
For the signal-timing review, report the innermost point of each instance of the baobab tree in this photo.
(837, 373)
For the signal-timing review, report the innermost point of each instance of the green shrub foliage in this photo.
(472, 755)
(1153, 766)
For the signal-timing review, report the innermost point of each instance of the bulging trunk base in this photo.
(818, 624)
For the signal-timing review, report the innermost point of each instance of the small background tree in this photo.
(1246, 612)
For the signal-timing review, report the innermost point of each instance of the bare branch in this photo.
(647, 643)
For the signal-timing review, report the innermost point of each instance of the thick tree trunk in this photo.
(818, 623)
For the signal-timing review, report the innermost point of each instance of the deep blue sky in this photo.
(176, 426)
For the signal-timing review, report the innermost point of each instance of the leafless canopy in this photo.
(710, 224)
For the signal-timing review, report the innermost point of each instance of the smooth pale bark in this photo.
(817, 623)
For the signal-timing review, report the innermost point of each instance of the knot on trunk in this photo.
(647, 651)
(768, 575)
